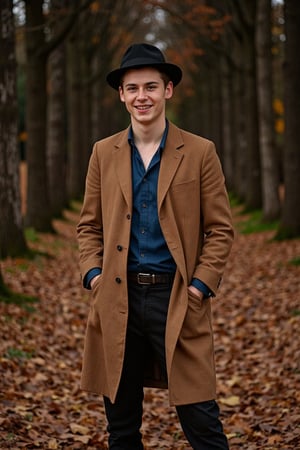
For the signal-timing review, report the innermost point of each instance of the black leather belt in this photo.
(150, 278)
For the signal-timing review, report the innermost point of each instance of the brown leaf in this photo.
(76, 428)
(234, 400)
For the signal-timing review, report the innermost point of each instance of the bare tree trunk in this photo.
(269, 163)
(38, 214)
(85, 119)
(253, 197)
(12, 241)
(95, 101)
(56, 116)
(3, 289)
(74, 178)
(227, 126)
(290, 220)
(216, 108)
(239, 119)
(56, 136)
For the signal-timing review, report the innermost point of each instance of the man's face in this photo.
(144, 93)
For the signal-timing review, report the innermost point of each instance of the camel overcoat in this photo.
(195, 219)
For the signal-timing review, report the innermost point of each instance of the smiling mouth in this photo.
(143, 108)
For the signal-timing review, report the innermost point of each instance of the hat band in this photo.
(140, 62)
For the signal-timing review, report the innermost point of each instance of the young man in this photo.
(154, 235)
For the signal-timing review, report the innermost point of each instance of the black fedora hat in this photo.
(143, 55)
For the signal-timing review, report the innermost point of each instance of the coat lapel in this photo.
(122, 156)
(170, 161)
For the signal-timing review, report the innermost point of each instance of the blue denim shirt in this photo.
(148, 251)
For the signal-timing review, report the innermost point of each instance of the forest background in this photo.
(240, 88)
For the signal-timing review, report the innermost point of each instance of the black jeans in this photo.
(148, 307)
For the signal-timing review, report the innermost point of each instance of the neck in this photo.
(147, 134)
(147, 139)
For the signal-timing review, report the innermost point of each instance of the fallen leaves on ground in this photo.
(256, 323)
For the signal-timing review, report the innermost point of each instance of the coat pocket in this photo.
(197, 320)
(93, 318)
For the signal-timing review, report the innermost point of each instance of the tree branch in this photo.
(66, 27)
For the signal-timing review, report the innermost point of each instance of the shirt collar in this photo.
(163, 139)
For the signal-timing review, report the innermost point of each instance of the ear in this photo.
(169, 90)
(121, 94)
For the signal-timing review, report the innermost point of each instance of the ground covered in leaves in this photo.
(256, 321)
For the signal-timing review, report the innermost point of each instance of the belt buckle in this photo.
(149, 275)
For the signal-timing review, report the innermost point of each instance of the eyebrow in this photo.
(145, 84)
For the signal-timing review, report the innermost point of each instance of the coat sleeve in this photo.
(90, 227)
(216, 221)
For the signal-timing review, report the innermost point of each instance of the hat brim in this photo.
(173, 71)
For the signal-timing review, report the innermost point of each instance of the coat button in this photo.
(118, 280)
(119, 248)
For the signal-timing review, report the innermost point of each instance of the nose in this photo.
(141, 94)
